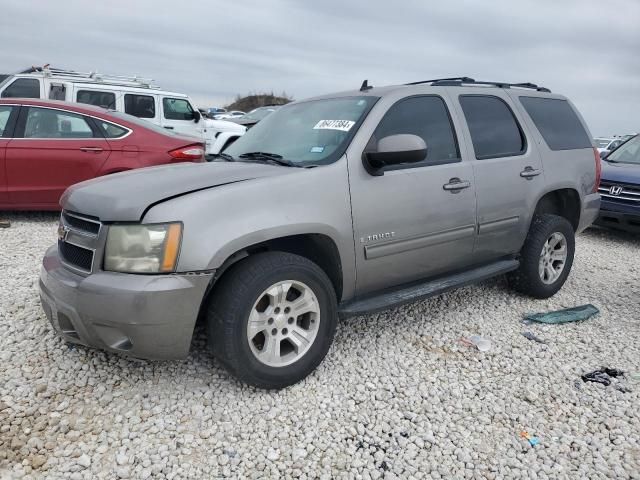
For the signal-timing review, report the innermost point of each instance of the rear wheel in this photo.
(545, 258)
(272, 319)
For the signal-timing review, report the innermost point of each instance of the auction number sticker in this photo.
(342, 125)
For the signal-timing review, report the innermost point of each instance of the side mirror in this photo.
(196, 116)
(395, 150)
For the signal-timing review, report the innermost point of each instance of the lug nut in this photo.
(284, 331)
(274, 331)
(270, 321)
(290, 320)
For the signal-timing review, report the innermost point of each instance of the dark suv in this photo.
(620, 188)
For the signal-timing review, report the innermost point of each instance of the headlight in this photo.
(143, 248)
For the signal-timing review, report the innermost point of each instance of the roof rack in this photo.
(460, 81)
(94, 77)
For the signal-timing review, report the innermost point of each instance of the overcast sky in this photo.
(213, 50)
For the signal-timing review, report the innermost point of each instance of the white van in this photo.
(133, 95)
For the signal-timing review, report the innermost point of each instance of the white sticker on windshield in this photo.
(342, 125)
(317, 149)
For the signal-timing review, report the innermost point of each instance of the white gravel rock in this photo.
(398, 395)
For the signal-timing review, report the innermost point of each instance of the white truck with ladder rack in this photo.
(136, 96)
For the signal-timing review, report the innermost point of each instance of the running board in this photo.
(397, 296)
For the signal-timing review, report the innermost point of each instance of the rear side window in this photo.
(23, 88)
(50, 123)
(5, 113)
(110, 130)
(141, 106)
(426, 117)
(494, 130)
(177, 109)
(557, 123)
(99, 99)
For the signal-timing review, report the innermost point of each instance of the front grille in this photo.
(628, 193)
(82, 224)
(76, 256)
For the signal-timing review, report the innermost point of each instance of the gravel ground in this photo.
(398, 396)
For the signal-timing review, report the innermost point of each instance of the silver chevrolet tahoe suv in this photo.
(331, 207)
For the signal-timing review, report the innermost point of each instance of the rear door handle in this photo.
(169, 128)
(530, 172)
(455, 185)
(91, 149)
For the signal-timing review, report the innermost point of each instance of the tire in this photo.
(533, 278)
(262, 288)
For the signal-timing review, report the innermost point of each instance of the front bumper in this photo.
(145, 316)
(619, 216)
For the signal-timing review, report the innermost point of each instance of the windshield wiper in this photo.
(225, 156)
(268, 157)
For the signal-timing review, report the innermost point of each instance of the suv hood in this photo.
(621, 172)
(126, 196)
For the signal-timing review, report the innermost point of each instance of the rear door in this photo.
(8, 114)
(507, 169)
(53, 149)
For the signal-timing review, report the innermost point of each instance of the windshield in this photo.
(316, 132)
(602, 142)
(628, 152)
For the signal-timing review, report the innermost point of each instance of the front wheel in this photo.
(272, 319)
(545, 258)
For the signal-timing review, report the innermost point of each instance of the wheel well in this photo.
(564, 202)
(318, 248)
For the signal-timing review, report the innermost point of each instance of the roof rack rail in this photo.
(451, 79)
(94, 77)
(459, 81)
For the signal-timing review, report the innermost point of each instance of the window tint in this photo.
(23, 88)
(109, 130)
(141, 106)
(57, 92)
(426, 117)
(177, 109)
(557, 123)
(99, 99)
(5, 113)
(494, 130)
(49, 123)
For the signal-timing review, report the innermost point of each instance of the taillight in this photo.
(191, 153)
(596, 155)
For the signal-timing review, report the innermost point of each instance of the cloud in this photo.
(214, 50)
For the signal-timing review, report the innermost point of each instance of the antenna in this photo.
(365, 86)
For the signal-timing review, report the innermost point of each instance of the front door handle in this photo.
(91, 149)
(455, 185)
(169, 128)
(530, 172)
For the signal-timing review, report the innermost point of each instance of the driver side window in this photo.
(426, 117)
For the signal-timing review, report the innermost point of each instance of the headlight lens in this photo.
(143, 248)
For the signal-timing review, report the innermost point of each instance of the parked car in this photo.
(136, 96)
(231, 114)
(620, 188)
(47, 145)
(605, 145)
(335, 206)
(254, 116)
(213, 111)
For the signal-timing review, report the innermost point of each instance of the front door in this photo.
(180, 116)
(53, 149)
(417, 220)
(507, 169)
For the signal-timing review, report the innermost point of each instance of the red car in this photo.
(46, 146)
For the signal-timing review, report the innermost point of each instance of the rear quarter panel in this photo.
(574, 169)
